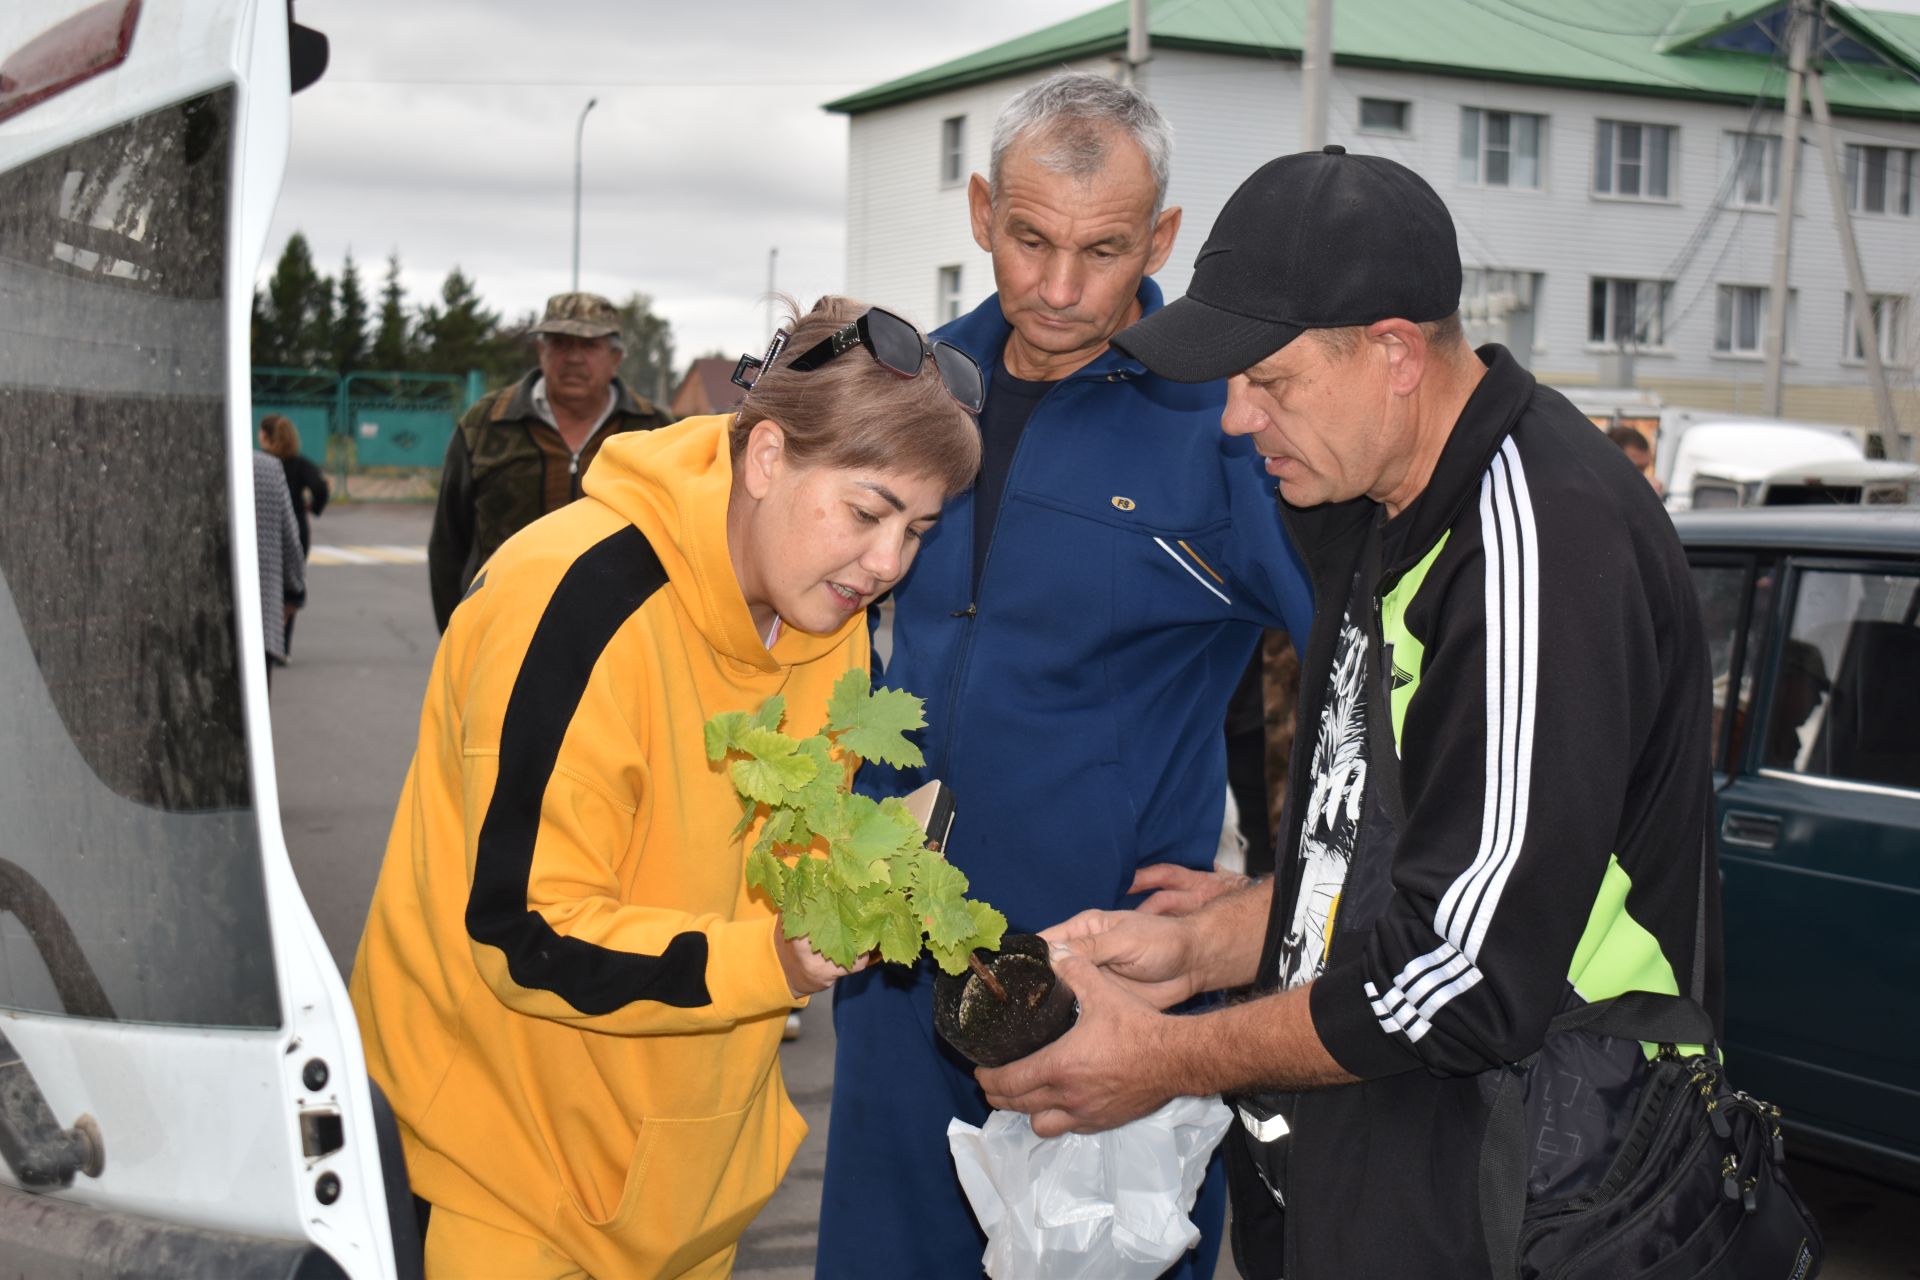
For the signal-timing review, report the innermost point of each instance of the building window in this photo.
(1889, 326)
(1753, 163)
(953, 150)
(1500, 148)
(1498, 305)
(1385, 115)
(1741, 319)
(950, 300)
(1633, 161)
(1628, 313)
(1880, 180)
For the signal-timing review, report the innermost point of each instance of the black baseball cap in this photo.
(1317, 240)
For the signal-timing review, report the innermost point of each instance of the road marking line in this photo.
(323, 554)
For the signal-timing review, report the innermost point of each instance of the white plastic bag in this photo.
(1101, 1206)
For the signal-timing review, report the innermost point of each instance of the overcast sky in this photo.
(444, 129)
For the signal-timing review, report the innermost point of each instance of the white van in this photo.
(1743, 452)
(1854, 483)
(182, 1091)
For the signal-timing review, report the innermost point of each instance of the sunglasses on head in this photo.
(893, 343)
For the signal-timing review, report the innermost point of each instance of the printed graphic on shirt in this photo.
(1332, 823)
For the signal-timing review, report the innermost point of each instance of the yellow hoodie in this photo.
(564, 987)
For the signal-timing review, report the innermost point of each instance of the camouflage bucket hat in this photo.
(584, 315)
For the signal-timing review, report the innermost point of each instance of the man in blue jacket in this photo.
(1076, 624)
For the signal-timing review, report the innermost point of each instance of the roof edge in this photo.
(909, 88)
(894, 92)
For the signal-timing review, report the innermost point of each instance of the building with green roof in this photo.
(1613, 171)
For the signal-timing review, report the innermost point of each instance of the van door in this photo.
(181, 1086)
(1820, 840)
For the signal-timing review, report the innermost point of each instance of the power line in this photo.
(1717, 205)
(1578, 48)
(1559, 20)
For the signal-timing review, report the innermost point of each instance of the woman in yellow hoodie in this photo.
(569, 995)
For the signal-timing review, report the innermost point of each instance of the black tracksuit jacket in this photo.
(1536, 806)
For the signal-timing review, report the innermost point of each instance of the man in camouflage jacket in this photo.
(519, 452)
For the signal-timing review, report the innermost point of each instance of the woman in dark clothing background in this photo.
(306, 483)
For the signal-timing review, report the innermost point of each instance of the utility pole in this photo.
(1316, 65)
(579, 132)
(1137, 43)
(1856, 278)
(1799, 35)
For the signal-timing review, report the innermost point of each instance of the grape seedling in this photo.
(851, 874)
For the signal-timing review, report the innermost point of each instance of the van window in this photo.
(130, 875)
(1845, 703)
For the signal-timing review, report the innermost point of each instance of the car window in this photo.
(1732, 590)
(131, 883)
(1722, 589)
(1845, 704)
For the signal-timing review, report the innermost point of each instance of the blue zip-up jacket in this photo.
(1075, 705)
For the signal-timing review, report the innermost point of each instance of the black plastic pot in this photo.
(1038, 1010)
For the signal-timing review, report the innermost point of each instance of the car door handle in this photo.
(1750, 830)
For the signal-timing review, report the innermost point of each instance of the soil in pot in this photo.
(991, 1031)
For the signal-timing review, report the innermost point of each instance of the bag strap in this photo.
(1635, 1015)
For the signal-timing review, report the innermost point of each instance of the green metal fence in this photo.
(368, 423)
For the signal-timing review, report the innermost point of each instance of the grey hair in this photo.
(1069, 117)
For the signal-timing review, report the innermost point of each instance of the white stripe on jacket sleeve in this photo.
(1511, 550)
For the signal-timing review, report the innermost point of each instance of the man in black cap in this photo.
(1500, 808)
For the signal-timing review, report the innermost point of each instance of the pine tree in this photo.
(391, 349)
(284, 317)
(647, 368)
(349, 345)
(511, 353)
(316, 335)
(455, 336)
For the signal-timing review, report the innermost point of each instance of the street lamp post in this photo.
(579, 132)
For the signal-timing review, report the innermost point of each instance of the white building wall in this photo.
(1230, 114)
(903, 222)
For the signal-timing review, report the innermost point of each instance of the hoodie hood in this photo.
(674, 484)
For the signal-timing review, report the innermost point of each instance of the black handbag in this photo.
(1697, 1188)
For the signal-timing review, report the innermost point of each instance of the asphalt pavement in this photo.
(346, 716)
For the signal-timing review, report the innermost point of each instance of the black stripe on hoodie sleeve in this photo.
(598, 593)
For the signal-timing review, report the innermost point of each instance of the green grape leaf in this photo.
(849, 700)
(775, 767)
(940, 904)
(722, 731)
(878, 888)
(934, 879)
(899, 940)
(953, 958)
(878, 731)
(852, 871)
(880, 830)
(767, 874)
(788, 825)
(833, 923)
(989, 926)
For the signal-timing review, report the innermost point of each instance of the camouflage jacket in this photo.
(505, 468)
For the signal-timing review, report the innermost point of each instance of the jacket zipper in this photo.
(972, 612)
